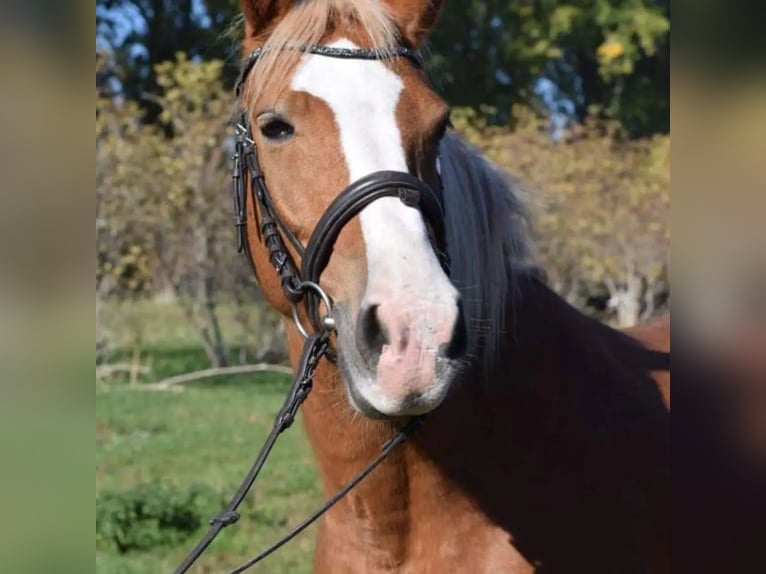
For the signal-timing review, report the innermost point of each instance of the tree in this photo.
(163, 217)
(602, 58)
(139, 34)
(603, 215)
(575, 58)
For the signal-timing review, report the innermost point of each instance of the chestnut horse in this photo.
(546, 442)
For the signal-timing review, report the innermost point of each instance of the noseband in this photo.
(297, 282)
(303, 284)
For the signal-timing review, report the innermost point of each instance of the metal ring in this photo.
(297, 321)
(326, 320)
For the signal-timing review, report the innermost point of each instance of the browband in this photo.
(332, 52)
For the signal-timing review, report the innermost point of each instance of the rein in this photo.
(301, 284)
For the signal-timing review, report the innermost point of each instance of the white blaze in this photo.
(363, 95)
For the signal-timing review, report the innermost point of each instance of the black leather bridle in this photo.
(302, 284)
(359, 194)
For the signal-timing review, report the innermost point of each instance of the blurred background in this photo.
(571, 97)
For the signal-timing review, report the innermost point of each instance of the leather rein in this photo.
(301, 283)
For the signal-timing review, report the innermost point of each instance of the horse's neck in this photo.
(374, 526)
(343, 443)
(485, 453)
(366, 526)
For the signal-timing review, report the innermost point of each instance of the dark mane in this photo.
(487, 235)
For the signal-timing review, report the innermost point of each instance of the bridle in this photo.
(301, 284)
(296, 282)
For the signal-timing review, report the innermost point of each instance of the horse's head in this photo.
(321, 123)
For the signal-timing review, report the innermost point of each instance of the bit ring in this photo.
(328, 322)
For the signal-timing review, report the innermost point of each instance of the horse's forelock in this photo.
(307, 23)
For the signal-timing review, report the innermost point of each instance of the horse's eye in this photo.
(276, 129)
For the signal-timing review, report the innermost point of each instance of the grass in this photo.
(208, 434)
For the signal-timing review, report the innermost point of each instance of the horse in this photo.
(545, 438)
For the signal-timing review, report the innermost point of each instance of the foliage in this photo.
(163, 217)
(151, 515)
(603, 212)
(595, 58)
(139, 34)
(603, 58)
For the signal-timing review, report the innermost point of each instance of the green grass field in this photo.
(204, 436)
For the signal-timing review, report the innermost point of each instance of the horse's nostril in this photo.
(458, 344)
(371, 335)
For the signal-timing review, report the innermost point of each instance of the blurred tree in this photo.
(580, 58)
(163, 218)
(577, 58)
(139, 34)
(603, 223)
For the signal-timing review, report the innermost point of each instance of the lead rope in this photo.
(386, 450)
(314, 348)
